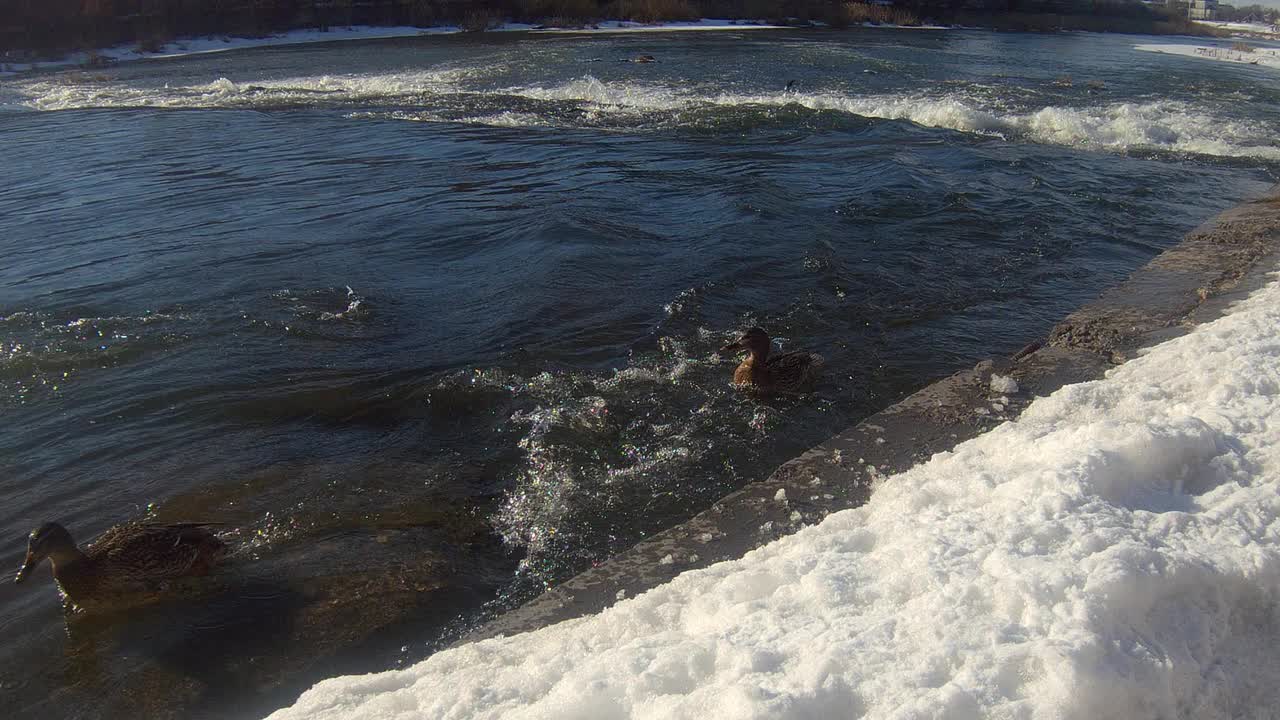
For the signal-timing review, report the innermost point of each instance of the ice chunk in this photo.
(1003, 384)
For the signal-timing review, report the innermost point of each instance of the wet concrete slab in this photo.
(1191, 283)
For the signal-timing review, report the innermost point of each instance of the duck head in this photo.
(48, 540)
(754, 341)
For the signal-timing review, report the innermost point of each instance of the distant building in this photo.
(1202, 9)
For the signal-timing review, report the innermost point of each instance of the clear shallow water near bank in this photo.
(432, 321)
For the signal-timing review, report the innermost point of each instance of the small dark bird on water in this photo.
(126, 565)
(791, 86)
(793, 371)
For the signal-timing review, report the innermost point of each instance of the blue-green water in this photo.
(431, 323)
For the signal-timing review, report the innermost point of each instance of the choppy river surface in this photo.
(431, 323)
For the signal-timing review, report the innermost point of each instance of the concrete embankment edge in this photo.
(1191, 283)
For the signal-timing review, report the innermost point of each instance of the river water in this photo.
(431, 323)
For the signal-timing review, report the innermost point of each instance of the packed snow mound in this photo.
(1113, 553)
(1260, 56)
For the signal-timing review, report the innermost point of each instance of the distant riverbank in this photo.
(38, 34)
(1260, 30)
(26, 61)
(223, 43)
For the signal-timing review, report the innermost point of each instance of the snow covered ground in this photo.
(624, 26)
(614, 26)
(1113, 553)
(1256, 28)
(1264, 57)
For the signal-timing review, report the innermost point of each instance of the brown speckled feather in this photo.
(154, 550)
(139, 558)
(794, 371)
(789, 372)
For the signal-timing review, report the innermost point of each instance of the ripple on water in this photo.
(40, 353)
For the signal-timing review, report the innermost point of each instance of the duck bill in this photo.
(27, 564)
(731, 347)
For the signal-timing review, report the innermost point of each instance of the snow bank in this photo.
(1265, 57)
(1256, 28)
(1113, 553)
(628, 26)
(616, 26)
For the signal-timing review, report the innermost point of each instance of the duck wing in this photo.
(155, 551)
(795, 369)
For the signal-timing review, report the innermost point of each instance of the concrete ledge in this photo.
(1165, 292)
(1191, 283)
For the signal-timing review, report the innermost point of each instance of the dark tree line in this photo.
(1248, 13)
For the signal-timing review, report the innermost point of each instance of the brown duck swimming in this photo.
(126, 564)
(794, 371)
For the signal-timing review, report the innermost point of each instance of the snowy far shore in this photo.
(224, 43)
(1263, 57)
(1243, 28)
(1112, 553)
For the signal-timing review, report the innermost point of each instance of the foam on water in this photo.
(1158, 125)
(1113, 553)
(333, 313)
(354, 309)
(78, 92)
(637, 443)
(644, 97)
(450, 95)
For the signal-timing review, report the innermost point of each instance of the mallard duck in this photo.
(789, 372)
(125, 564)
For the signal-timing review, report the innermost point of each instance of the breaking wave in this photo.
(79, 91)
(655, 438)
(1156, 125)
(440, 96)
